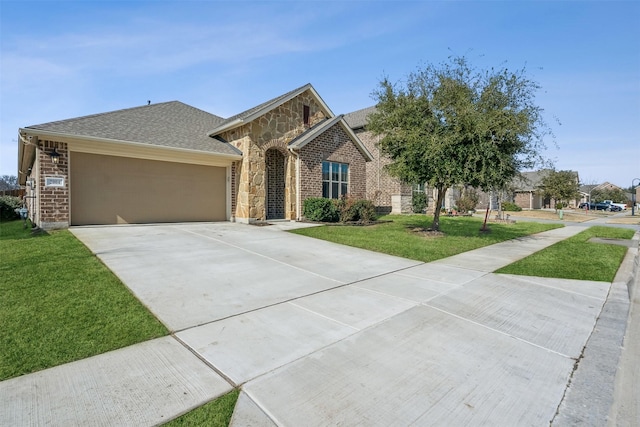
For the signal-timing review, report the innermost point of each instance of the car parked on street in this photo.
(601, 206)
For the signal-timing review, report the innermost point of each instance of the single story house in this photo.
(170, 162)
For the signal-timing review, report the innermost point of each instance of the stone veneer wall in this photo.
(380, 185)
(52, 202)
(234, 189)
(275, 129)
(333, 145)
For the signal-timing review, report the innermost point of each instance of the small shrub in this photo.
(346, 209)
(352, 210)
(419, 202)
(8, 206)
(510, 207)
(559, 205)
(468, 201)
(366, 210)
(320, 209)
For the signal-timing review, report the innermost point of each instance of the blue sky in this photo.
(65, 59)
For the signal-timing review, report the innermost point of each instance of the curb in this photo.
(589, 398)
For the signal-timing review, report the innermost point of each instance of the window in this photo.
(418, 188)
(305, 115)
(335, 180)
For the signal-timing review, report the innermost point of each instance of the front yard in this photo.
(576, 258)
(60, 303)
(403, 236)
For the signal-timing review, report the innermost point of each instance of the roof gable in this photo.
(260, 110)
(319, 128)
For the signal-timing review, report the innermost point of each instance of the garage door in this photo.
(119, 190)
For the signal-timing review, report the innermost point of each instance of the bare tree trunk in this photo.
(436, 213)
(486, 215)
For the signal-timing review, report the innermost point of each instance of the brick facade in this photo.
(333, 145)
(53, 201)
(380, 185)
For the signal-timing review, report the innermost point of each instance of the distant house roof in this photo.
(531, 181)
(586, 189)
(358, 119)
(168, 124)
(259, 110)
(607, 185)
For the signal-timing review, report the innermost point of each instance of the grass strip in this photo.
(60, 303)
(216, 413)
(460, 234)
(576, 258)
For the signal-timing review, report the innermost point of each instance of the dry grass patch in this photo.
(568, 215)
(629, 220)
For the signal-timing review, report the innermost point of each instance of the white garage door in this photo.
(120, 190)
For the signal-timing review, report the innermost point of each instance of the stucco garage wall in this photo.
(116, 190)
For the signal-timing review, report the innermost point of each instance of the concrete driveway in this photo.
(322, 334)
(194, 274)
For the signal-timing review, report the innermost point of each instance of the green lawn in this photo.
(60, 303)
(575, 258)
(461, 234)
(213, 414)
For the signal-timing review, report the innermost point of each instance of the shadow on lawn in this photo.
(472, 227)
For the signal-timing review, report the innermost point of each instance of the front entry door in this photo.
(275, 184)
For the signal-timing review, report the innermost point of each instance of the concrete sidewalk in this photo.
(349, 338)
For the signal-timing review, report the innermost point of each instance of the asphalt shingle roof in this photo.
(358, 119)
(168, 124)
(531, 181)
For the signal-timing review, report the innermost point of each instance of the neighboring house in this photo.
(605, 186)
(387, 193)
(171, 162)
(585, 192)
(527, 193)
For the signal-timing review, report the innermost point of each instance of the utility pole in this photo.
(633, 195)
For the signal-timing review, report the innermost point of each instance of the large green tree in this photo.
(8, 182)
(561, 186)
(452, 124)
(617, 195)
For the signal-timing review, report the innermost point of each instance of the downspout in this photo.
(298, 196)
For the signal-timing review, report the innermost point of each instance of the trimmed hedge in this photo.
(510, 207)
(320, 210)
(345, 209)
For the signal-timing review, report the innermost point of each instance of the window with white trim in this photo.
(335, 180)
(418, 188)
